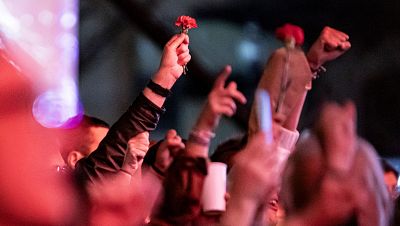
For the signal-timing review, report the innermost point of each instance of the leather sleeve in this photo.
(110, 156)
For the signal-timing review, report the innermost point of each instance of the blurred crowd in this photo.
(91, 173)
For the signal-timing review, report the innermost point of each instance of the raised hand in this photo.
(254, 177)
(258, 165)
(175, 55)
(168, 149)
(330, 44)
(138, 147)
(337, 130)
(221, 100)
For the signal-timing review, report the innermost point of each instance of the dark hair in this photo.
(227, 150)
(85, 121)
(77, 136)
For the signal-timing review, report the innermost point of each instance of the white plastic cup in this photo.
(214, 189)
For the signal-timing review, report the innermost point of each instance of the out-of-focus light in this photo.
(68, 40)
(54, 108)
(9, 25)
(248, 50)
(27, 20)
(41, 36)
(46, 18)
(41, 53)
(68, 20)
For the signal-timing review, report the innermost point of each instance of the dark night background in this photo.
(121, 43)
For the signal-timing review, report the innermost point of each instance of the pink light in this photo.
(41, 37)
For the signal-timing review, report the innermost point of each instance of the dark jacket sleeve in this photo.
(111, 155)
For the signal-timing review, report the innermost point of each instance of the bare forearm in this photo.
(292, 121)
(202, 133)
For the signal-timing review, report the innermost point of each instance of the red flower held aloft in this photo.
(288, 31)
(186, 23)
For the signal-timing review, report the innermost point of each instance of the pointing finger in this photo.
(223, 75)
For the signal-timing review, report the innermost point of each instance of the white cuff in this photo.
(287, 139)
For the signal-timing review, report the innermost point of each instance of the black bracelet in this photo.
(157, 89)
(316, 72)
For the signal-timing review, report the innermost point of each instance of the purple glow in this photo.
(51, 109)
(41, 37)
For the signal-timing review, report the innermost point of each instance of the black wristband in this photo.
(159, 90)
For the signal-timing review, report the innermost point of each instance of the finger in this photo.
(174, 140)
(172, 39)
(338, 35)
(184, 59)
(333, 47)
(183, 55)
(331, 32)
(344, 45)
(228, 102)
(141, 139)
(176, 146)
(144, 136)
(175, 42)
(236, 94)
(331, 43)
(182, 146)
(139, 142)
(170, 134)
(138, 148)
(186, 40)
(223, 75)
(257, 144)
(341, 35)
(333, 40)
(226, 110)
(182, 48)
(140, 155)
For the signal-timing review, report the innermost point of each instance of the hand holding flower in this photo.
(175, 56)
(185, 23)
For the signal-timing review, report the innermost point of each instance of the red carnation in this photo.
(186, 23)
(290, 31)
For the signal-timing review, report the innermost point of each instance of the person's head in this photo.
(391, 176)
(226, 151)
(306, 172)
(81, 140)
